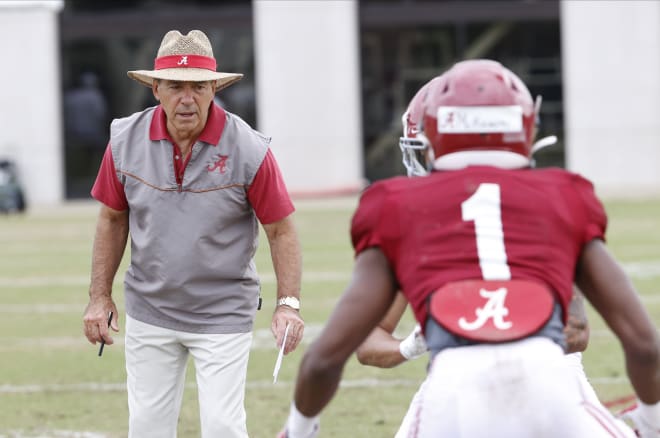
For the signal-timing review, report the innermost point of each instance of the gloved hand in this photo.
(644, 418)
(414, 345)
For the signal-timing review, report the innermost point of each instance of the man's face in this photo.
(186, 104)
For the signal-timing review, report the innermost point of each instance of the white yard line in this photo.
(262, 340)
(47, 308)
(608, 380)
(255, 384)
(641, 270)
(42, 308)
(50, 434)
(638, 270)
(83, 280)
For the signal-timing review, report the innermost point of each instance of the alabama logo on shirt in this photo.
(218, 163)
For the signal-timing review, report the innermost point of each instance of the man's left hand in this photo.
(286, 315)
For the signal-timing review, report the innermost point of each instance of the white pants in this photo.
(156, 360)
(523, 389)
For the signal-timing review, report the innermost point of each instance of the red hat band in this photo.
(185, 61)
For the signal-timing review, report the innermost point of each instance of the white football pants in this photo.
(528, 388)
(156, 360)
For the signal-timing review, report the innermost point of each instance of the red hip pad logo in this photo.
(492, 311)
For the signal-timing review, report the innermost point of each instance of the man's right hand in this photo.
(95, 320)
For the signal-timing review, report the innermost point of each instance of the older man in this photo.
(190, 182)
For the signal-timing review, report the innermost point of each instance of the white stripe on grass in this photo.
(47, 433)
(638, 270)
(642, 270)
(256, 384)
(47, 308)
(262, 340)
(83, 280)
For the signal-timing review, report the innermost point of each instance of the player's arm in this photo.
(577, 327)
(362, 306)
(109, 245)
(382, 349)
(604, 283)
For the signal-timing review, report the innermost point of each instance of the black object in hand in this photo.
(102, 341)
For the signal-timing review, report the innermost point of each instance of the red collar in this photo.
(211, 133)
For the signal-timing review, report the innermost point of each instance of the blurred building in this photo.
(329, 80)
(30, 114)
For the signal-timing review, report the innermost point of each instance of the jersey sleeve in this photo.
(107, 187)
(595, 216)
(365, 225)
(268, 194)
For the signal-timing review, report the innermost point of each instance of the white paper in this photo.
(280, 355)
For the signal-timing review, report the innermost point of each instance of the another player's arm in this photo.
(577, 327)
(604, 283)
(381, 348)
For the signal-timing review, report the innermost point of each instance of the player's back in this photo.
(480, 222)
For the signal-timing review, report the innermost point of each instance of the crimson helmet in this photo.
(478, 112)
(413, 143)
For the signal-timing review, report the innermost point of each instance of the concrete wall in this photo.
(611, 68)
(308, 91)
(30, 119)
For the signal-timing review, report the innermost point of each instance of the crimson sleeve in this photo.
(268, 194)
(365, 232)
(594, 211)
(107, 187)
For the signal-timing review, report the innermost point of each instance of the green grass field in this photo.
(53, 384)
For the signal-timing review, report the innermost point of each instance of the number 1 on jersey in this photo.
(484, 208)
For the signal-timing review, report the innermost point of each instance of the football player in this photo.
(382, 349)
(486, 250)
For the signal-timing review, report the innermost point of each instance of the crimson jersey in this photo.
(480, 222)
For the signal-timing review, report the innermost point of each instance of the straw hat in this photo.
(185, 58)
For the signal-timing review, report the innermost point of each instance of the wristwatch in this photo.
(292, 302)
